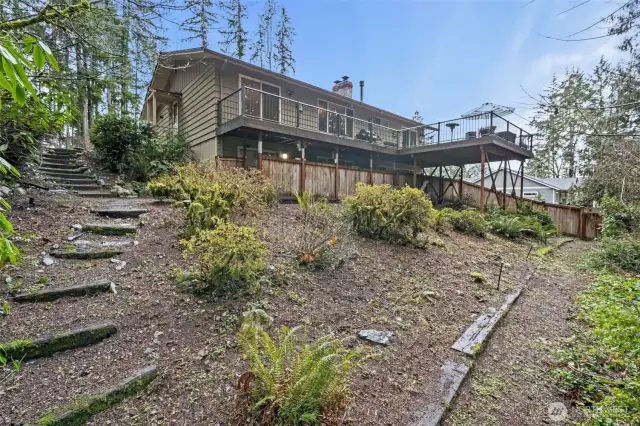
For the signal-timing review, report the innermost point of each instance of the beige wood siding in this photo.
(181, 77)
(197, 115)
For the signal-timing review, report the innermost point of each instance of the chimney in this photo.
(344, 87)
(361, 90)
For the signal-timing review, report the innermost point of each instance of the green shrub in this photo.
(507, 226)
(525, 208)
(618, 218)
(397, 215)
(215, 192)
(289, 382)
(460, 203)
(442, 219)
(156, 156)
(116, 139)
(321, 236)
(624, 252)
(226, 259)
(470, 222)
(600, 366)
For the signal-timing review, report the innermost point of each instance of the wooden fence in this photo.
(319, 178)
(581, 222)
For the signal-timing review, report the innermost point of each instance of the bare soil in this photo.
(510, 383)
(192, 339)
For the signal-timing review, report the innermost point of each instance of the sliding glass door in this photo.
(260, 99)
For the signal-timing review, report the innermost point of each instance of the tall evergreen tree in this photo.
(201, 21)
(262, 47)
(283, 54)
(234, 35)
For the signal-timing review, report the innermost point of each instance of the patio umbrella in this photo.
(487, 108)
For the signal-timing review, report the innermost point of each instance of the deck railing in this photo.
(476, 126)
(266, 106)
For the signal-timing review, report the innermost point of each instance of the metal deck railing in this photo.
(258, 104)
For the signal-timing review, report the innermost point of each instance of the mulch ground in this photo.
(510, 383)
(192, 339)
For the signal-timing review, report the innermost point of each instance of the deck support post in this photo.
(415, 173)
(522, 180)
(303, 171)
(260, 151)
(460, 183)
(395, 175)
(482, 154)
(370, 169)
(440, 188)
(337, 175)
(504, 183)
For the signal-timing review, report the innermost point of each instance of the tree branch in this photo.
(47, 14)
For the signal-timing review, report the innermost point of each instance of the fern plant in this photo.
(290, 382)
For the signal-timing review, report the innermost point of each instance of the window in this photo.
(381, 121)
(174, 115)
(335, 119)
(409, 138)
(532, 194)
(260, 99)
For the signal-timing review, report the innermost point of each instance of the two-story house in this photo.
(308, 138)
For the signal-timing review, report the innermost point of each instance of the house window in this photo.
(335, 119)
(531, 194)
(174, 115)
(260, 99)
(409, 138)
(381, 121)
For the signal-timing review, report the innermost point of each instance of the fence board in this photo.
(285, 175)
(319, 179)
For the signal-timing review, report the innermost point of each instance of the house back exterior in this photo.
(308, 138)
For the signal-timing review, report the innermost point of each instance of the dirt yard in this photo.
(510, 384)
(192, 340)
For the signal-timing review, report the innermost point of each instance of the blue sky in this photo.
(442, 58)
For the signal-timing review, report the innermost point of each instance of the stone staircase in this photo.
(66, 168)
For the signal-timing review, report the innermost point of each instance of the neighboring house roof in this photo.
(560, 184)
(563, 184)
(274, 74)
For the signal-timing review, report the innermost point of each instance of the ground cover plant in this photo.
(397, 215)
(599, 367)
(469, 222)
(290, 381)
(525, 221)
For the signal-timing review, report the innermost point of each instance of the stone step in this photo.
(90, 186)
(53, 293)
(48, 344)
(120, 211)
(80, 411)
(76, 180)
(44, 165)
(110, 228)
(97, 194)
(69, 163)
(67, 150)
(63, 171)
(85, 253)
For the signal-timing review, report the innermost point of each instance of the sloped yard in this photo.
(426, 297)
